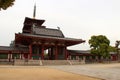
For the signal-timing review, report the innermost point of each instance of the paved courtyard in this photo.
(104, 71)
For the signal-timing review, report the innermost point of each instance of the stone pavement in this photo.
(103, 71)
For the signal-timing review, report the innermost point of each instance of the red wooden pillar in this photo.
(42, 56)
(65, 49)
(30, 51)
(56, 52)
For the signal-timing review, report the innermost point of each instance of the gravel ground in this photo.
(104, 71)
(38, 73)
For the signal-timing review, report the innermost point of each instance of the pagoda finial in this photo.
(34, 13)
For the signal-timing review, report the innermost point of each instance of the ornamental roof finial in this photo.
(34, 13)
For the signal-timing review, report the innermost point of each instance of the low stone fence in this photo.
(47, 62)
(28, 62)
(77, 62)
(6, 62)
(55, 62)
(100, 61)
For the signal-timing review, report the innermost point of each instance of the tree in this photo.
(112, 49)
(4, 4)
(99, 45)
(118, 49)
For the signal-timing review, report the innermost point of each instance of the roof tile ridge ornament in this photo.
(34, 11)
(58, 28)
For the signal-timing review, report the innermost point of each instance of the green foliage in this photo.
(4, 4)
(112, 49)
(99, 45)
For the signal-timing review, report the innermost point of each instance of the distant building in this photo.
(81, 54)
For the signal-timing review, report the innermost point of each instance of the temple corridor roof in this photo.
(13, 49)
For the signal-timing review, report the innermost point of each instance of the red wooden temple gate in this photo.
(39, 41)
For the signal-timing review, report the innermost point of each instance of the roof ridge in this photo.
(49, 28)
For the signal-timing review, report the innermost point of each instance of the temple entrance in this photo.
(36, 52)
(51, 53)
(61, 53)
(48, 52)
(56, 53)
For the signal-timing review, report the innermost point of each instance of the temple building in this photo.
(38, 42)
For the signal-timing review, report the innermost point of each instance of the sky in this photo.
(79, 19)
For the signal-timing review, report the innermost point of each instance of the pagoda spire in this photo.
(34, 12)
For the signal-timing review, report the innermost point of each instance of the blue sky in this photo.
(76, 18)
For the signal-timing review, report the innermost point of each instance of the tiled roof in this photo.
(30, 21)
(50, 37)
(80, 51)
(8, 48)
(85, 52)
(48, 32)
(25, 39)
(35, 26)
